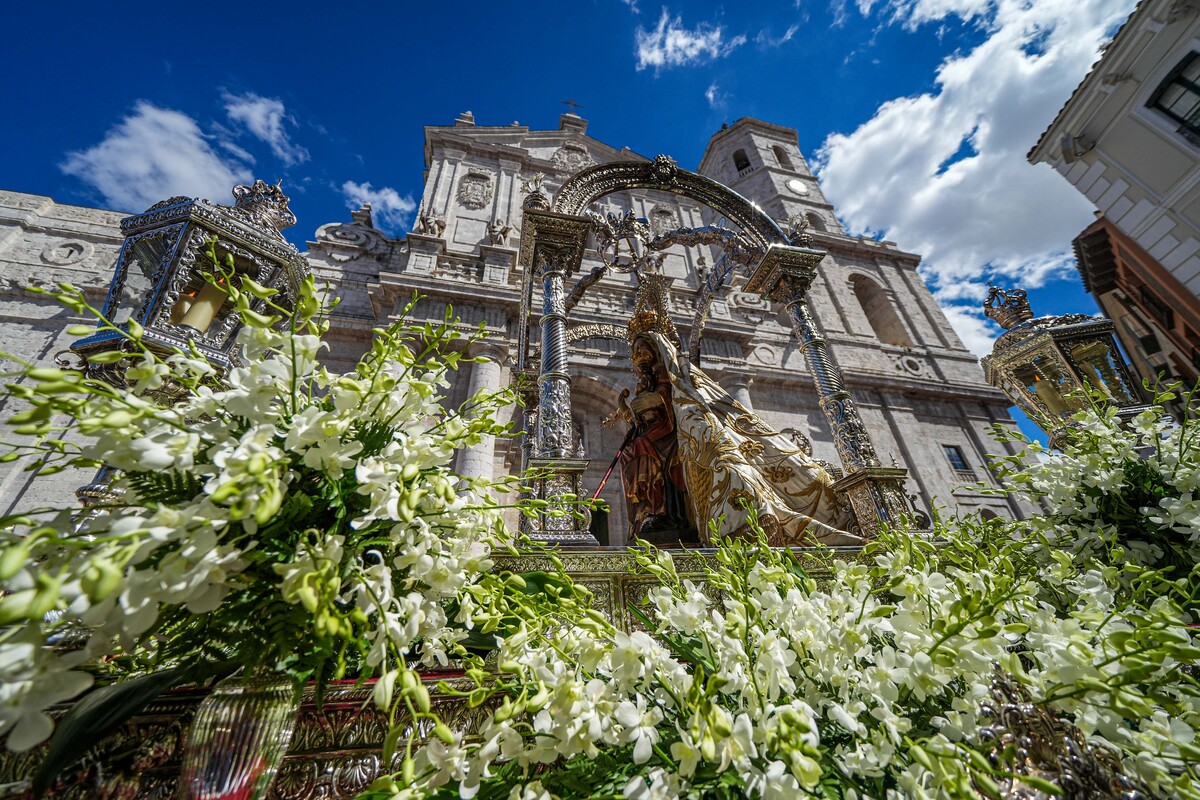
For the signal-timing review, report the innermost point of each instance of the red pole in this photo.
(612, 466)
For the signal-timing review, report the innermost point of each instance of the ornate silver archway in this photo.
(782, 268)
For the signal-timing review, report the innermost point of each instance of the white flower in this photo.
(531, 791)
(640, 727)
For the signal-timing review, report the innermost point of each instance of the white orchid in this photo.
(297, 519)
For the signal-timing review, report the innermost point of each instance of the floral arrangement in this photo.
(766, 684)
(284, 517)
(277, 517)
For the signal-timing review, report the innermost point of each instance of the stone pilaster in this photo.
(478, 461)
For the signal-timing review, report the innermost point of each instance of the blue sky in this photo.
(916, 114)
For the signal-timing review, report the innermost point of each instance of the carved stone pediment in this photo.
(346, 241)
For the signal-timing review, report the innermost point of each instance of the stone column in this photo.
(478, 460)
(876, 493)
(738, 386)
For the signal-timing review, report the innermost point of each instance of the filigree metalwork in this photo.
(1050, 365)
(596, 330)
(625, 243)
(784, 270)
(798, 231)
(554, 433)
(172, 238)
(334, 754)
(586, 187)
(877, 497)
(650, 310)
(535, 198)
(264, 205)
(559, 481)
(1027, 740)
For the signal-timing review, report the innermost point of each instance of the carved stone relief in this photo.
(749, 307)
(765, 355)
(67, 252)
(571, 157)
(908, 364)
(662, 219)
(475, 189)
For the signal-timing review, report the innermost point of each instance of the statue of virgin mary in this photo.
(696, 461)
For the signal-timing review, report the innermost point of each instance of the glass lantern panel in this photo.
(1045, 378)
(142, 264)
(1102, 371)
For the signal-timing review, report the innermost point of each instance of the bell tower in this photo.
(763, 162)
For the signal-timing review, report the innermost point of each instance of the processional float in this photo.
(781, 267)
(337, 746)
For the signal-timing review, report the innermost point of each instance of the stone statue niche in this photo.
(694, 462)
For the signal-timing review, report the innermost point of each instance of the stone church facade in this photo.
(920, 393)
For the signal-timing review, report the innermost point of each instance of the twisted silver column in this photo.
(875, 493)
(849, 434)
(555, 436)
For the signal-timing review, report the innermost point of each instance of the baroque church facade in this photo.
(920, 393)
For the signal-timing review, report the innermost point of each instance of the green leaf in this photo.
(1041, 785)
(108, 357)
(168, 487)
(94, 717)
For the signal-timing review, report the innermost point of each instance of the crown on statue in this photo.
(1009, 308)
(264, 204)
(650, 310)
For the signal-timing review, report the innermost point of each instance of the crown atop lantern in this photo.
(1009, 308)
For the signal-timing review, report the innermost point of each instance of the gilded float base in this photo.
(335, 752)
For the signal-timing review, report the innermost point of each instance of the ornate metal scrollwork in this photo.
(1027, 740)
(334, 755)
(264, 205)
(597, 330)
(588, 186)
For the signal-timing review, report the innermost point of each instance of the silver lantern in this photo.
(1050, 367)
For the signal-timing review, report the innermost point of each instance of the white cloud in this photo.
(944, 173)
(765, 39)
(153, 154)
(265, 117)
(977, 332)
(715, 97)
(389, 211)
(672, 45)
(912, 13)
(633, 6)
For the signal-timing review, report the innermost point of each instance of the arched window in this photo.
(740, 160)
(782, 157)
(884, 320)
(815, 222)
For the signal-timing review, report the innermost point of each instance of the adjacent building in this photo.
(1129, 140)
(920, 392)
